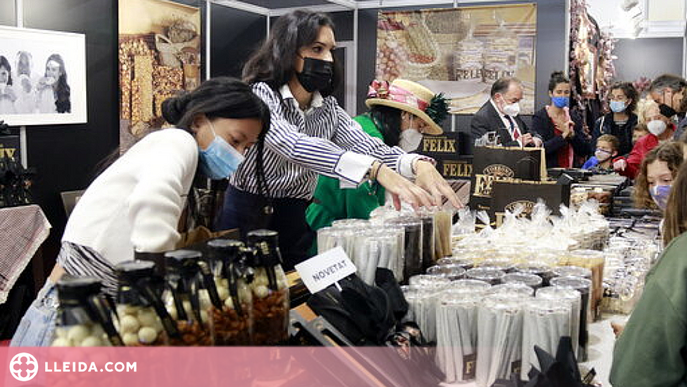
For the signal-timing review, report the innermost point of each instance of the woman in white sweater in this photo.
(134, 206)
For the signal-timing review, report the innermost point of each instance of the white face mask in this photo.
(410, 139)
(602, 155)
(656, 127)
(511, 109)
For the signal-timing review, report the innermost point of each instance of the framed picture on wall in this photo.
(42, 77)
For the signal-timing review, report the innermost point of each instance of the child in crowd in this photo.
(658, 170)
(607, 147)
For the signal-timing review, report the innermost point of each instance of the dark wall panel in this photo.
(235, 35)
(550, 55)
(647, 57)
(65, 156)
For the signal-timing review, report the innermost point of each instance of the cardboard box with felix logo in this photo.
(450, 150)
(505, 177)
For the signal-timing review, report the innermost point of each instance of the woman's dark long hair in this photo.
(388, 121)
(61, 89)
(6, 64)
(273, 62)
(220, 97)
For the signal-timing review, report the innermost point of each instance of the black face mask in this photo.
(317, 74)
(666, 110)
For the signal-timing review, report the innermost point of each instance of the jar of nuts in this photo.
(138, 304)
(270, 288)
(233, 319)
(84, 318)
(187, 300)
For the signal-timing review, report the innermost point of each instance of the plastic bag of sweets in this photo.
(233, 318)
(84, 318)
(187, 302)
(138, 304)
(270, 288)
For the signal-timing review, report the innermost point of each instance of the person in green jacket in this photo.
(400, 113)
(652, 349)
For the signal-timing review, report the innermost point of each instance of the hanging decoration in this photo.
(591, 66)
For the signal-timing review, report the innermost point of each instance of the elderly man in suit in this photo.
(500, 115)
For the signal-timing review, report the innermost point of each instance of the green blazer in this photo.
(332, 203)
(652, 350)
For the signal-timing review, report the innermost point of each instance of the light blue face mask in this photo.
(617, 106)
(660, 195)
(220, 160)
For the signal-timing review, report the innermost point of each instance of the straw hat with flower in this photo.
(411, 97)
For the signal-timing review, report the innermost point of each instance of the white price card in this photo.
(325, 269)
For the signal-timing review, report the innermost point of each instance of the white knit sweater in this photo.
(136, 203)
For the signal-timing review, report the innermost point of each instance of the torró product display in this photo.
(499, 341)
(138, 304)
(413, 244)
(233, 317)
(583, 286)
(574, 299)
(84, 319)
(544, 323)
(186, 299)
(457, 329)
(270, 288)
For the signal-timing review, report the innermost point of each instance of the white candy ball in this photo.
(61, 342)
(78, 333)
(147, 335)
(61, 332)
(126, 309)
(130, 339)
(129, 324)
(91, 341)
(147, 318)
(261, 291)
(229, 303)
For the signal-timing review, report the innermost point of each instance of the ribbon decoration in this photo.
(382, 90)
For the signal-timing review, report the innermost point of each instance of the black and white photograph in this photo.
(42, 77)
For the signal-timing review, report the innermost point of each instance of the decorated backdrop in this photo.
(159, 55)
(460, 51)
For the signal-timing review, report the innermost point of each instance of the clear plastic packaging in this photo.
(187, 301)
(412, 250)
(457, 329)
(489, 275)
(232, 311)
(573, 298)
(593, 260)
(442, 233)
(270, 288)
(499, 346)
(138, 304)
(544, 323)
(583, 286)
(84, 319)
(532, 280)
(452, 271)
(537, 268)
(462, 262)
(512, 288)
(377, 250)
